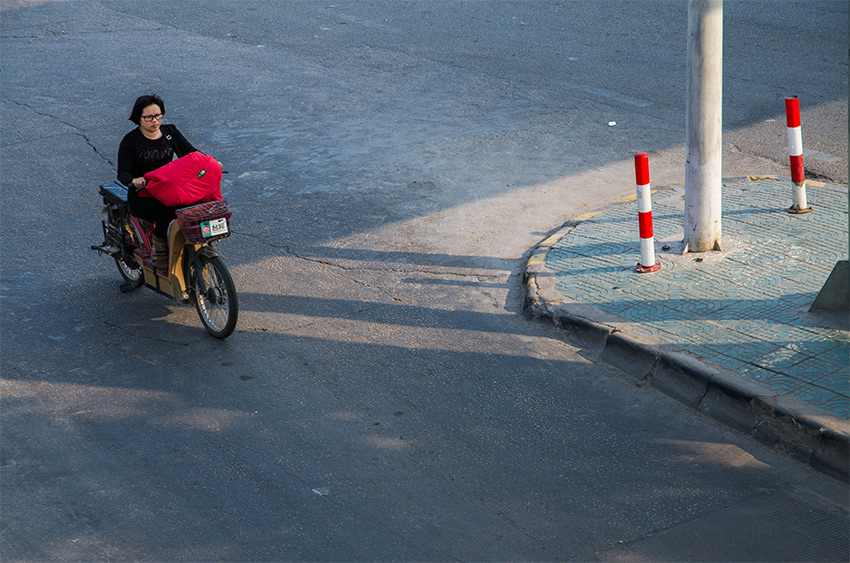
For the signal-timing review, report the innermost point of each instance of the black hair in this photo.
(141, 103)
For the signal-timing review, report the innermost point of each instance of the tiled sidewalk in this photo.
(744, 309)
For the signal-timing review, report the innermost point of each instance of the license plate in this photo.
(214, 227)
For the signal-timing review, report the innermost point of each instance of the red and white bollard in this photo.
(795, 151)
(644, 200)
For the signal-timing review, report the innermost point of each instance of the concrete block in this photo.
(791, 428)
(583, 332)
(733, 401)
(682, 377)
(835, 293)
(631, 356)
(832, 455)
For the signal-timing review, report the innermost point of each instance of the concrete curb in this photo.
(819, 439)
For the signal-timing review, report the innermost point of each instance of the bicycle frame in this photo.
(181, 257)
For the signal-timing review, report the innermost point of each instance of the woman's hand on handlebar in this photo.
(139, 183)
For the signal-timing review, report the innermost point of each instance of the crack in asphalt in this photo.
(75, 130)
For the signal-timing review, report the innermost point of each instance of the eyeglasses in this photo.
(150, 118)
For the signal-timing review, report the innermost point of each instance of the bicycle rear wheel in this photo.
(130, 270)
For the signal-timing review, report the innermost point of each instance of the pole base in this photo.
(798, 210)
(641, 269)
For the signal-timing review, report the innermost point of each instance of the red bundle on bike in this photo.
(194, 178)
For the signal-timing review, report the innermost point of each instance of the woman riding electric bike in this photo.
(177, 258)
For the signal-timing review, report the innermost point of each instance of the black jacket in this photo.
(138, 155)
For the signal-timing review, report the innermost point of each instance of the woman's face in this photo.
(151, 119)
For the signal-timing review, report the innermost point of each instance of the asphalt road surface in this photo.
(390, 165)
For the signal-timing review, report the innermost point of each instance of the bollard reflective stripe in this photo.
(792, 111)
(645, 225)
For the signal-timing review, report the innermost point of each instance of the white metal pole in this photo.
(703, 169)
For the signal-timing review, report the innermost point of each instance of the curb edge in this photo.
(809, 435)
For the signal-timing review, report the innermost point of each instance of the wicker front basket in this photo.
(200, 223)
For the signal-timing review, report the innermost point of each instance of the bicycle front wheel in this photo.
(217, 305)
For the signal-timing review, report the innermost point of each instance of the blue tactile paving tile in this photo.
(741, 309)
